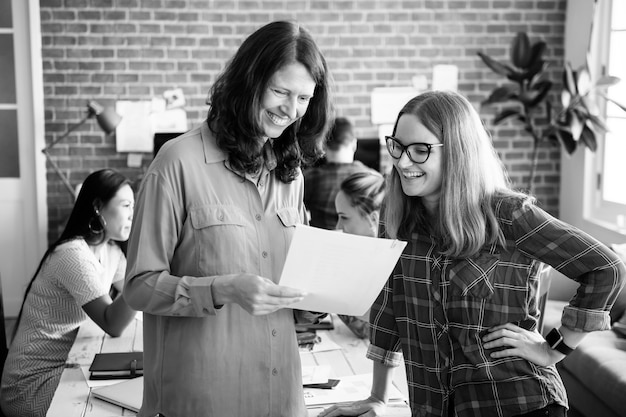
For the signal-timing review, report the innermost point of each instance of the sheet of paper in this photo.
(134, 133)
(315, 374)
(341, 273)
(350, 388)
(325, 344)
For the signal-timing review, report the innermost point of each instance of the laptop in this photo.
(127, 394)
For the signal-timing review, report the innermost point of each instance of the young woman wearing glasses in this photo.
(461, 305)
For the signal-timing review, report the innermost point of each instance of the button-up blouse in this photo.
(196, 219)
(436, 310)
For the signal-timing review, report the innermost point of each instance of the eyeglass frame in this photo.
(428, 146)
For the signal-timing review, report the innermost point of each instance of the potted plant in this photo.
(576, 121)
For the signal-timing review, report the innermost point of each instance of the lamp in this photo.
(107, 119)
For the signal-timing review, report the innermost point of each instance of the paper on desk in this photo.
(341, 273)
(350, 388)
(315, 374)
(96, 382)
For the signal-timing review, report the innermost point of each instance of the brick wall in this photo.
(110, 50)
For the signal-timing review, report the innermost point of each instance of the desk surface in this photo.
(73, 399)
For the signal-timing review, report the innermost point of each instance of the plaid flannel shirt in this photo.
(435, 310)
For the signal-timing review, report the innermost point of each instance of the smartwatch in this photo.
(555, 340)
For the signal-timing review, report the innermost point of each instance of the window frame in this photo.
(586, 210)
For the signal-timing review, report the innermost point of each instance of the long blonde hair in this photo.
(472, 175)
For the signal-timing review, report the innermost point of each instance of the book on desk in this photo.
(127, 394)
(117, 365)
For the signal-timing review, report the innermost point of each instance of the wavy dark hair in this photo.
(84, 221)
(236, 95)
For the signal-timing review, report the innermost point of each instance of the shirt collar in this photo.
(213, 154)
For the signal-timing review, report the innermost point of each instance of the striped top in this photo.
(435, 310)
(71, 277)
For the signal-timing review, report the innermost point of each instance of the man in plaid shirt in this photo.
(321, 183)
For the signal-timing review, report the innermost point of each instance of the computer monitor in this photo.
(161, 137)
(368, 152)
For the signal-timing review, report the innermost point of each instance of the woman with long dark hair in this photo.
(216, 212)
(71, 284)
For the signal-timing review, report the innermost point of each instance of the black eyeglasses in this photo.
(417, 152)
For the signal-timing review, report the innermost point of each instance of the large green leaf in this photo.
(576, 126)
(569, 79)
(501, 94)
(543, 88)
(536, 69)
(536, 53)
(495, 66)
(607, 81)
(588, 137)
(566, 98)
(598, 123)
(505, 114)
(566, 140)
(583, 81)
(521, 51)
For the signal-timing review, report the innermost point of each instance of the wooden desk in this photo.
(73, 399)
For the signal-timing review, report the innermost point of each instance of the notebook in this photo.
(116, 365)
(127, 394)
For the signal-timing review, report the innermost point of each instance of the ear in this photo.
(354, 144)
(97, 205)
(374, 217)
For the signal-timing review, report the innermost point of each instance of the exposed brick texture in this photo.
(110, 50)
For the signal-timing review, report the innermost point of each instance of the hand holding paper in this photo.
(341, 273)
(257, 295)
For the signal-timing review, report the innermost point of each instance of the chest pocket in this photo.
(216, 216)
(220, 238)
(289, 216)
(474, 277)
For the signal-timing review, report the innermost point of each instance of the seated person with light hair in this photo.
(358, 205)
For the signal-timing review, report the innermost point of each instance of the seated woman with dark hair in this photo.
(71, 284)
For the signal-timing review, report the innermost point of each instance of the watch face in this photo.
(554, 338)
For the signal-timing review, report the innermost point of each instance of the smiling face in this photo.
(352, 220)
(286, 98)
(118, 214)
(419, 180)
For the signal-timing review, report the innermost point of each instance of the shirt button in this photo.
(258, 217)
(264, 254)
(220, 217)
(436, 296)
(274, 332)
(261, 183)
(274, 371)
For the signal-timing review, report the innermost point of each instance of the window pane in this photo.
(618, 13)
(7, 69)
(9, 157)
(614, 168)
(5, 14)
